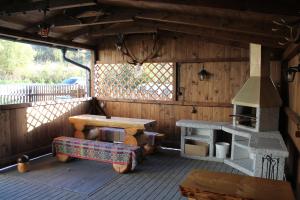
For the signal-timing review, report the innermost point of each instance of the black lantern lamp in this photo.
(203, 74)
(44, 30)
(44, 27)
(290, 73)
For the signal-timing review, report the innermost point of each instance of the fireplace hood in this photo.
(259, 90)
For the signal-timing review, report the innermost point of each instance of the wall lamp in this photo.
(203, 74)
(290, 73)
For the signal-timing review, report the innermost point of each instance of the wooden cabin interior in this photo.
(202, 100)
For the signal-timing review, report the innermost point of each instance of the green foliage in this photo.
(47, 54)
(24, 63)
(80, 56)
(14, 55)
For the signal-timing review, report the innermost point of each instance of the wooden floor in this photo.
(157, 177)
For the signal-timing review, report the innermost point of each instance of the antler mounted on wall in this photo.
(293, 30)
(134, 60)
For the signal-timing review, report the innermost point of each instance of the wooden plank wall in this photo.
(30, 129)
(293, 142)
(211, 98)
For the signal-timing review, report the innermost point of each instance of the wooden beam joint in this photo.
(19, 35)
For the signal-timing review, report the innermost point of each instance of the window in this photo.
(151, 81)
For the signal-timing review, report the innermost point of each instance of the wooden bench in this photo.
(149, 140)
(123, 157)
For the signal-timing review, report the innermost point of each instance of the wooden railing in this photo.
(29, 128)
(24, 93)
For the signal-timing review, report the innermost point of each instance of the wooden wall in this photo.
(293, 142)
(211, 98)
(29, 129)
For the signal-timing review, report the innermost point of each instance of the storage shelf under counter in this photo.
(251, 152)
(199, 131)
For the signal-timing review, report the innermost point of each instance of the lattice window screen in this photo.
(151, 81)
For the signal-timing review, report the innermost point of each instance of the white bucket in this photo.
(222, 149)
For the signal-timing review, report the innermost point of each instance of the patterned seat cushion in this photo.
(96, 150)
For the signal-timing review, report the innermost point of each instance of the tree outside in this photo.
(25, 63)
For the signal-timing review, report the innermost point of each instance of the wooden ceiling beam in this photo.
(19, 35)
(85, 31)
(34, 26)
(130, 28)
(25, 6)
(211, 22)
(73, 13)
(75, 34)
(224, 24)
(191, 30)
(111, 19)
(280, 7)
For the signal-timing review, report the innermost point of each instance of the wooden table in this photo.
(200, 184)
(131, 125)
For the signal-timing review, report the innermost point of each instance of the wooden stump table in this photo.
(133, 127)
(205, 185)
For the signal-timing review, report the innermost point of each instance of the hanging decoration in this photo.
(292, 29)
(133, 59)
(44, 28)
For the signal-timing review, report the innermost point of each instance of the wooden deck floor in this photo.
(157, 177)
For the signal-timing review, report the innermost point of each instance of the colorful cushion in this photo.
(96, 150)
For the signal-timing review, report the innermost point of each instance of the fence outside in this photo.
(26, 93)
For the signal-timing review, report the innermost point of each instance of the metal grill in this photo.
(150, 81)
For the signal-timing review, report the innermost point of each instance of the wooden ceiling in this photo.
(81, 23)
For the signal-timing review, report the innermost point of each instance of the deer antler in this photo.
(154, 50)
(293, 29)
(122, 47)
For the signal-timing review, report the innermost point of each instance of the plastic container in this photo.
(222, 149)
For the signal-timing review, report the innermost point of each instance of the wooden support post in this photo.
(79, 130)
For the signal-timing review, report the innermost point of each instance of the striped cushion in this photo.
(96, 150)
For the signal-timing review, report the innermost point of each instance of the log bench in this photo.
(123, 157)
(202, 184)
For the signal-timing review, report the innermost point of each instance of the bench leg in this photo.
(121, 169)
(62, 157)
